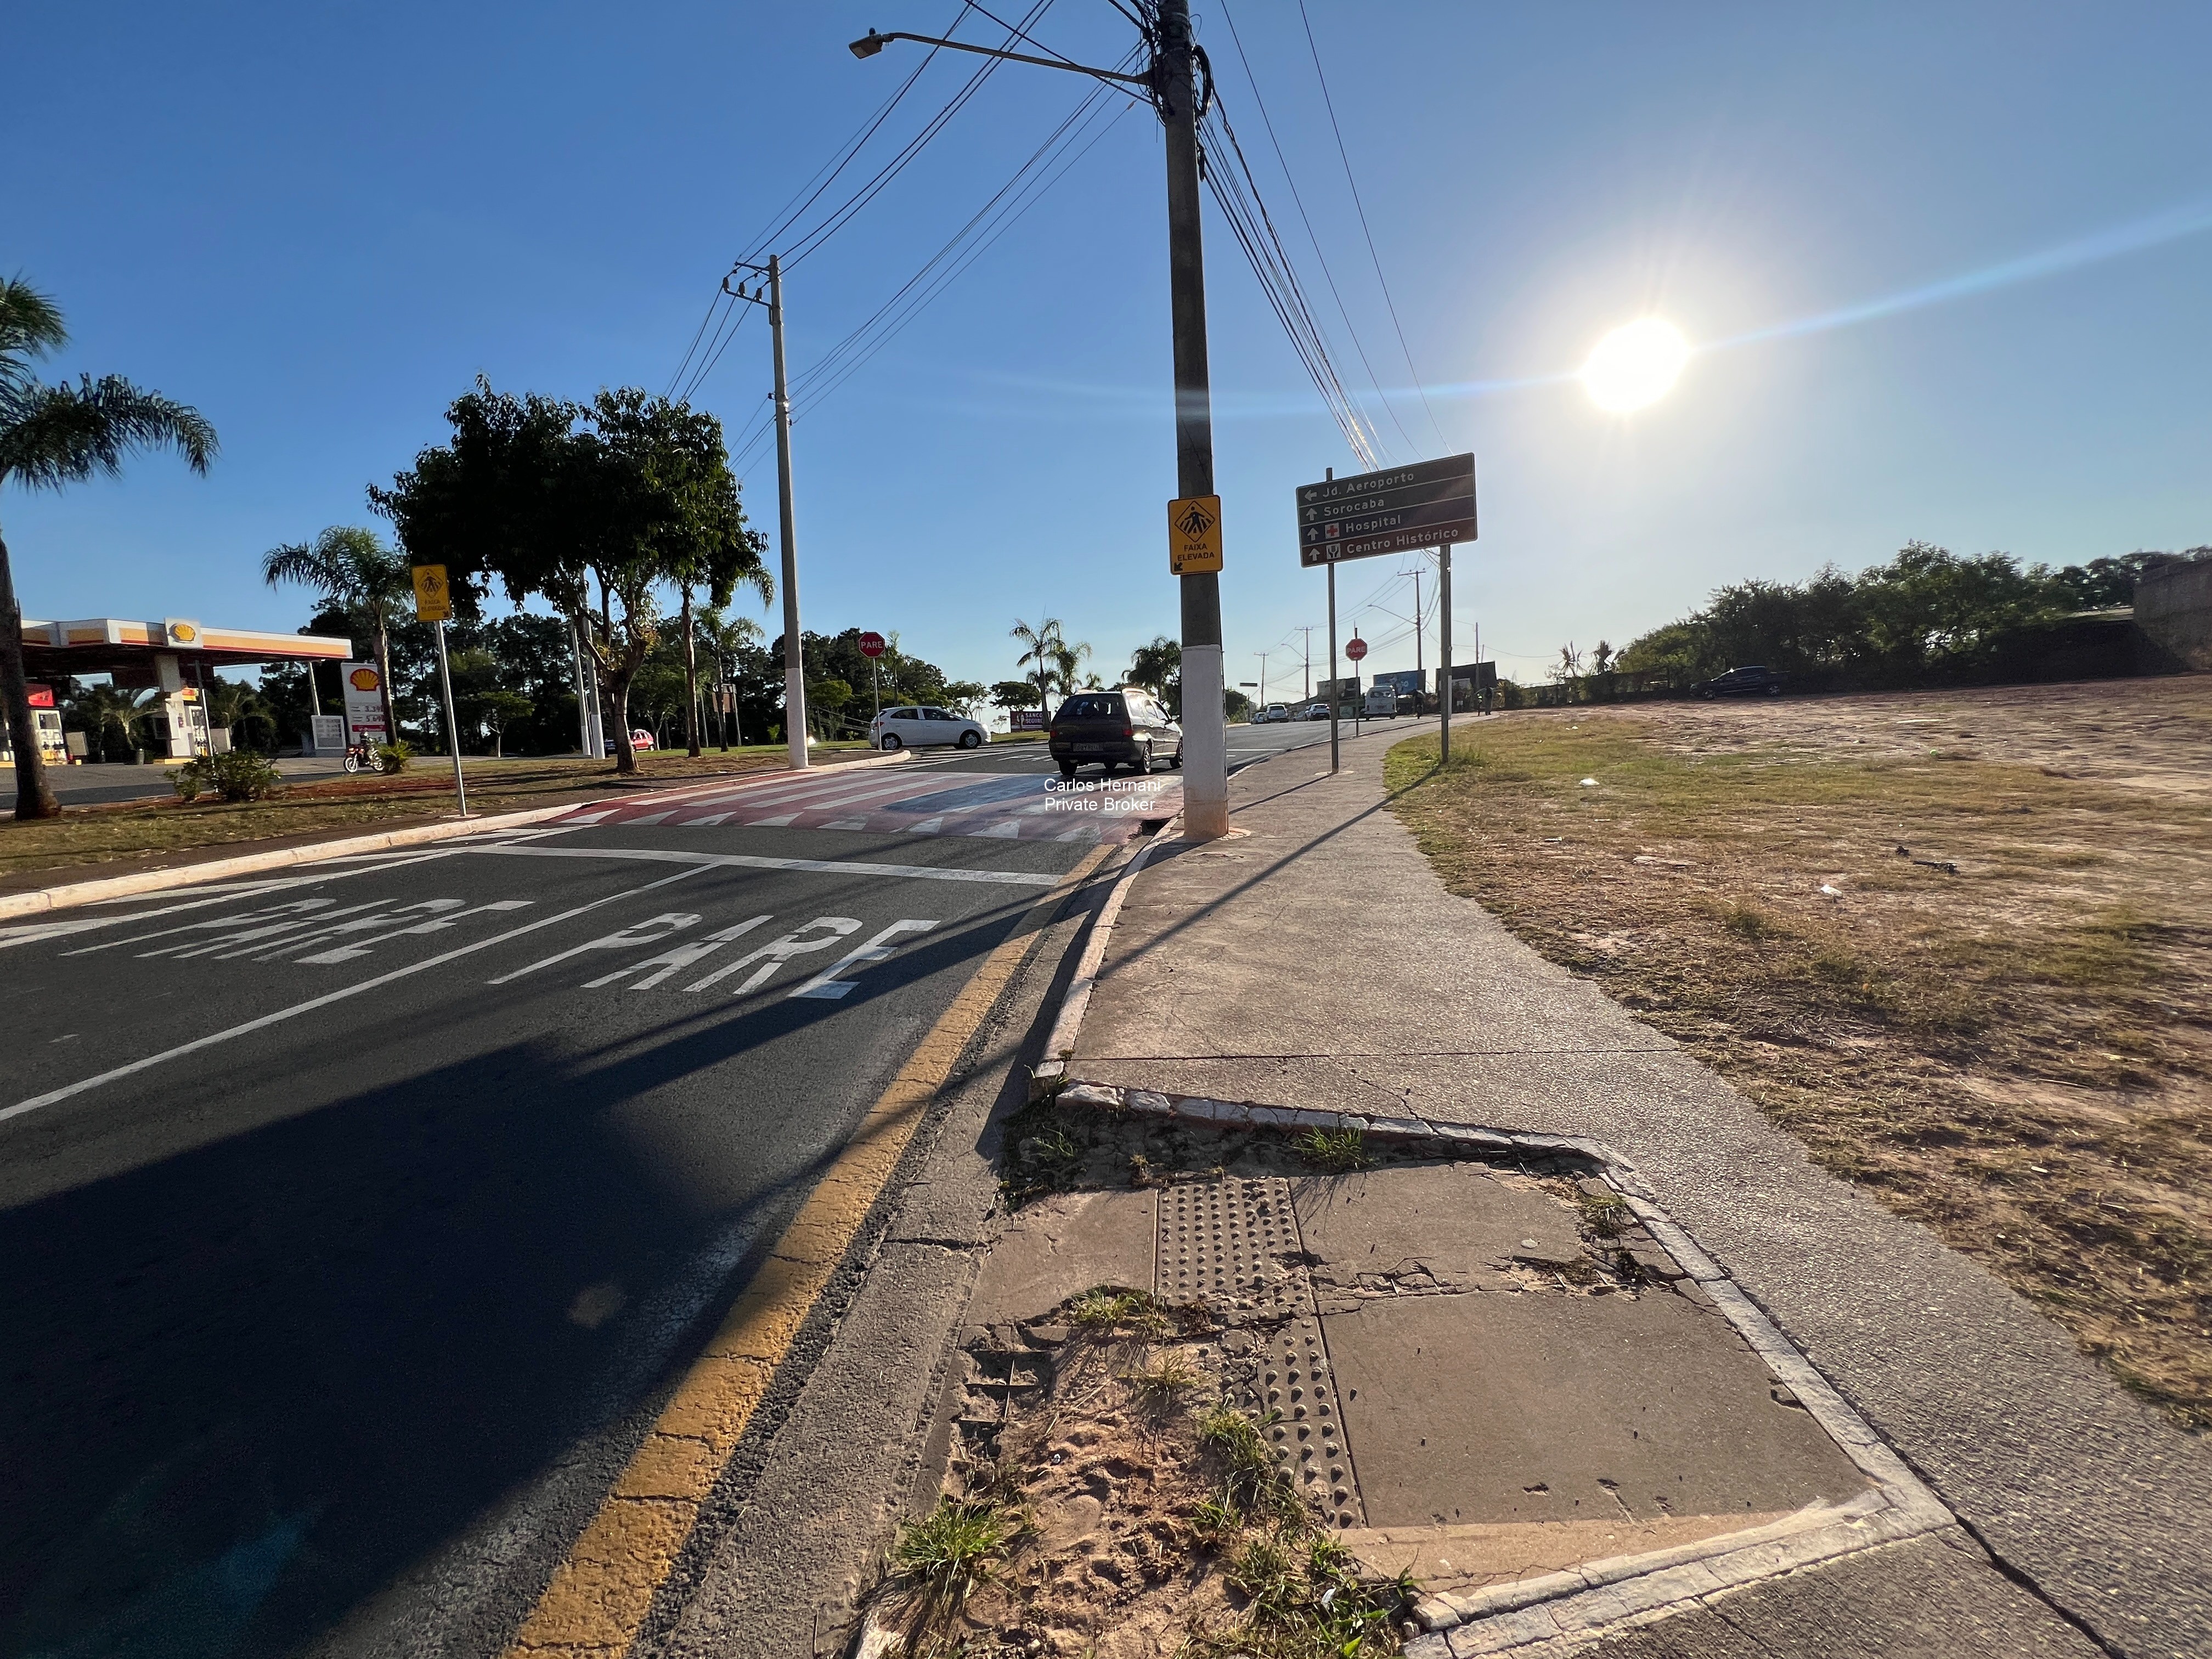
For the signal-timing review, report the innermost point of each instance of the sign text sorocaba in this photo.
(1427, 504)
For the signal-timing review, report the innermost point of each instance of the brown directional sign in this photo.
(1427, 504)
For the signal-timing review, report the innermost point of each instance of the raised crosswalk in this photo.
(898, 800)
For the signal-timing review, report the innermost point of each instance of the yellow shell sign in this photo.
(180, 632)
(363, 679)
(1195, 535)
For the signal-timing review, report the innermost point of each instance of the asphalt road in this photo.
(339, 1209)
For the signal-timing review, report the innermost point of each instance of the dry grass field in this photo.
(1960, 943)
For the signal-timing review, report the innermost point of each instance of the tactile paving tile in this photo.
(1230, 1243)
(1235, 1244)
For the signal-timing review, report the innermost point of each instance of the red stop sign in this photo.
(871, 644)
(1356, 648)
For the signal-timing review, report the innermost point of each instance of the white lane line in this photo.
(31, 933)
(770, 824)
(653, 817)
(754, 861)
(322, 1001)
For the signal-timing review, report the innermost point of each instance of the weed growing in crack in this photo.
(1105, 1307)
(1161, 1385)
(1304, 1600)
(1605, 1216)
(944, 1556)
(1336, 1151)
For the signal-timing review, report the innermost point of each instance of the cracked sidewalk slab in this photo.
(1458, 1374)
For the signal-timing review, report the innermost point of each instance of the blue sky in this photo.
(318, 223)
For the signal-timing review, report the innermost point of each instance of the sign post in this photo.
(433, 604)
(872, 646)
(1427, 504)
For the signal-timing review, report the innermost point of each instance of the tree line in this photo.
(1929, 616)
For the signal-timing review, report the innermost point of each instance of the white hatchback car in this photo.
(920, 726)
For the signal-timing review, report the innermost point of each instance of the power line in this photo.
(811, 241)
(1235, 191)
(1320, 258)
(791, 209)
(1346, 156)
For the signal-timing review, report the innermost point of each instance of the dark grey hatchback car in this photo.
(1122, 727)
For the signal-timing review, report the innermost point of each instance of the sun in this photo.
(1635, 365)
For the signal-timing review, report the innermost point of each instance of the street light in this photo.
(1171, 84)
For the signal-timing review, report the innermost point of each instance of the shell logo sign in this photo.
(364, 703)
(181, 632)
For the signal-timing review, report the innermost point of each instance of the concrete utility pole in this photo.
(1206, 764)
(1306, 672)
(795, 655)
(1444, 651)
(1173, 87)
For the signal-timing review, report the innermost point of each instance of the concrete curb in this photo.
(43, 899)
(1060, 1047)
(1562, 1611)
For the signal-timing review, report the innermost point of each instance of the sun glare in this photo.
(1635, 365)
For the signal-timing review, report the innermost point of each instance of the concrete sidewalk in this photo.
(1314, 960)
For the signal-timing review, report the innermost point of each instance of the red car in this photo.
(640, 739)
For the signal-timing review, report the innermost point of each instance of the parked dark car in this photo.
(1122, 727)
(1754, 681)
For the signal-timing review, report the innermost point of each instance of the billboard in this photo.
(364, 702)
(1026, 720)
(1405, 683)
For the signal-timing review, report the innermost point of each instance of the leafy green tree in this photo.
(1158, 668)
(963, 694)
(51, 436)
(354, 572)
(631, 494)
(728, 641)
(1010, 695)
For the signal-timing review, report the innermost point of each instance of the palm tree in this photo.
(49, 437)
(354, 571)
(1045, 642)
(725, 637)
(103, 707)
(1066, 660)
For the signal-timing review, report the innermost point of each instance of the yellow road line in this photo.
(600, 1596)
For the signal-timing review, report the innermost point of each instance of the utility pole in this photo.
(453, 730)
(1171, 84)
(1335, 690)
(795, 655)
(1262, 656)
(1444, 651)
(1417, 667)
(1306, 673)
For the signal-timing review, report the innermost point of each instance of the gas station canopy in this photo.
(132, 652)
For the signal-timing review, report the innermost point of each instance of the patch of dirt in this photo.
(1959, 942)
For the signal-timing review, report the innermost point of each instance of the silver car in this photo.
(917, 726)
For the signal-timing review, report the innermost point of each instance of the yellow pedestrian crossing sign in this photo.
(434, 601)
(1195, 535)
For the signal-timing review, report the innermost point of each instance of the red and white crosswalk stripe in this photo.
(1025, 806)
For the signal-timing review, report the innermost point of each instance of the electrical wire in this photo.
(1312, 237)
(810, 191)
(812, 240)
(1346, 156)
(1235, 191)
(1061, 150)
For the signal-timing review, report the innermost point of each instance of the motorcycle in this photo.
(362, 757)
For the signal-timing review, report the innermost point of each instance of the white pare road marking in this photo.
(650, 931)
(218, 892)
(773, 955)
(674, 961)
(827, 984)
(323, 1001)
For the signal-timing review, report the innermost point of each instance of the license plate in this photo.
(1089, 748)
